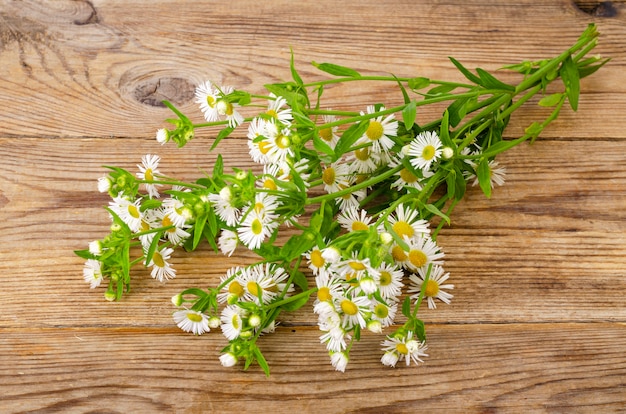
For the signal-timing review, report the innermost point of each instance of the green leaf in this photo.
(408, 115)
(150, 204)
(483, 172)
(440, 90)
(418, 83)
(433, 209)
(198, 230)
(469, 75)
(457, 111)
(85, 254)
(322, 147)
(460, 183)
(262, 362)
(294, 74)
(451, 183)
(491, 82)
(349, 137)
(221, 135)
(336, 70)
(154, 244)
(551, 100)
(444, 130)
(586, 70)
(406, 307)
(571, 79)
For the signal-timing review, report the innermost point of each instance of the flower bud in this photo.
(110, 295)
(104, 184)
(177, 300)
(214, 322)
(390, 359)
(254, 320)
(162, 136)
(386, 238)
(95, 247)
(228, 359)
(375, 326)
(447, 153)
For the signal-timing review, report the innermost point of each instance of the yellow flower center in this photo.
(194, 317)
(385, 278)
(359, 225)
(316, 259)
(362, 154)
(418, 258)
(269, 184)
(398, 254)
(264, 147)
(132, 210)
(326, 134)
(323, 294)
(432, 288)
(235, 288)
(235, 321)
(258, 207)
(256, 226)
(407, 176)
(157, 259)
(349, 307)
(166, 222)
(428, 153)
(148, 174)
(272, 113)
(374, 130)
(402, 228)
(282, 141)
(401, 348)
(381, 311)
(328, 176)
(254, 288)
(210, 101)
(358, 266)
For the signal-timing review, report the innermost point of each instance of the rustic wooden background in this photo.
(537, 323)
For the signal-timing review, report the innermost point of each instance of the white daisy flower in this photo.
(353, 311)
(422, 252)
(390, 281)
(402, 348)
(316, 261)
(384, 313)
(277, 112)
(354, 219)
(148, 170)
(336, 176)
(328, 287)
(255, 228)
(406, 222)
(264, 282)
(434, 286)
(233, 290)
(128, 211)
(277, 144)
(425, 149)
(192, 321)
(339, 360)
(232, 321)
(104, 184)
(406, 178)
(379, 132)
(496, 174)
(207, 96)
(175, 235)
(177, 212)
(223, 204)
(161, 269)
(258, 131)
(228, 242)
(162, 136)
(364, 160)
(355, 268)
(335, 339)
(329, 135)
(92, 273)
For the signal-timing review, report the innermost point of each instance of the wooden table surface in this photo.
(537, 323)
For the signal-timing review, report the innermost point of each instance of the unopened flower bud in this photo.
(386, 238)
(447, 153)
(109, 295)
(375, 326)
(177, 300)
(162, 136)
(214, 322)
(228, 359)
(95, 247)
(254, 320)
(104, 184)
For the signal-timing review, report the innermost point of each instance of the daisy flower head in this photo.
(406, 177)
(398, 348)
(336, 176)
(104, 184)
(232, 285)
(335, 338)
(214, 104)
(162, 136)
(354, 219)
(176, 235)
(262, 283)
(317, 262)
(276, 111)
(161, 269)
(353, 311)
(92, 273)
(223, 202)
(390, 282)
(355, 268)
(232, 321)
(228, 242)
(352, 199)
(422, 252)
(148, 169)
(258, 131)
(192, 321)
(329, 134)
(364, 160)
(149, 221)
(385, 313)
(128, 211)
(424, 150)
(278, 145)
(255, 228)
(339, 360)
(406, 222)
(434, 288)
(177, 211)
(379, 132)
(329, 287)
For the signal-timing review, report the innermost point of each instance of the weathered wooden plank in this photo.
(558, 367)
(98, 69)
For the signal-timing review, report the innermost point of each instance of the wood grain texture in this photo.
(537, 323)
